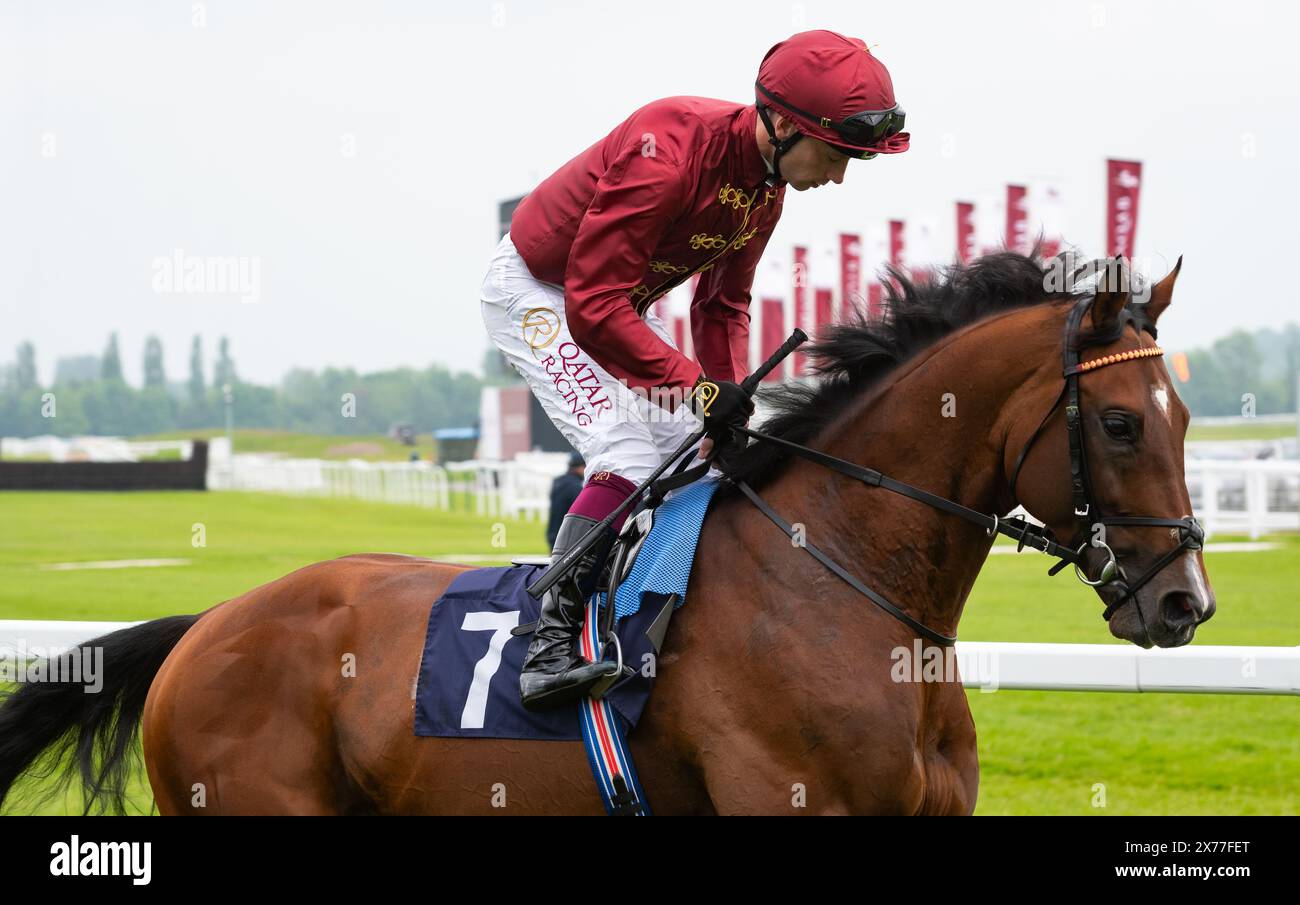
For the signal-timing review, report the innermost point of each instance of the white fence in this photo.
(1251, 497)
(516, 489)
(1230, 496)
(90, 449)
(984, 665)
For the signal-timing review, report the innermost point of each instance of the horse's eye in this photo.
(1121, 427)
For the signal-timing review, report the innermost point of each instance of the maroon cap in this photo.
(818, 77)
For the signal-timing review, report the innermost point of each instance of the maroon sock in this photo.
(602, 495)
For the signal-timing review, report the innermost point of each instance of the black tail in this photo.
(41, 722)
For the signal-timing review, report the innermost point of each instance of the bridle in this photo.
(1040, 538)
(1190, 534)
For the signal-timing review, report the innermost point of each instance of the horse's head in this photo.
(1105, 467)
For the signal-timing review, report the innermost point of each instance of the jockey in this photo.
(684, 186)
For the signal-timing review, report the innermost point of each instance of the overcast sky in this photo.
(356, 151)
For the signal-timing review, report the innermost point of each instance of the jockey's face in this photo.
(811, 162)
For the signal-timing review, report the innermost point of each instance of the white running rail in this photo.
(984, 665)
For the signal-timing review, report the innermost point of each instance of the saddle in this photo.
(476, 640)
(615, 570)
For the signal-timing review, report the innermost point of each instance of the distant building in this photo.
(456, 444)
(77, 369)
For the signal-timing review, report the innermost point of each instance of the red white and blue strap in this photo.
(603, 735)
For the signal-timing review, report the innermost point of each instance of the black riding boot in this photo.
(554, 669)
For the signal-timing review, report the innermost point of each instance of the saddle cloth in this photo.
(468, 684)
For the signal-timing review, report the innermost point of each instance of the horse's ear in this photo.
(1162, 293)
(1112, 293)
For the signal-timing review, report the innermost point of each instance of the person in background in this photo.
(564, 490)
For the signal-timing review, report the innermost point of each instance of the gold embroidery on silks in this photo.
(667, 267)
(728, 195)
(742, 241)
(704, 240)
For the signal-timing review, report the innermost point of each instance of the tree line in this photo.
(88, 395)
(1244, 371)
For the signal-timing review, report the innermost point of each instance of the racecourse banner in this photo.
(965, 232)
(875, 299)
(897, 259)
(773, 327)
(822, 296)
(1017, 235)
(1051, 217)
(1123, 183)
(850, 273)
(898, 245)
(803, 316)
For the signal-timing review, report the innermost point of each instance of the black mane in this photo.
(854, 355)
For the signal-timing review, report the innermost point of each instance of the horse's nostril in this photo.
(1179, 609)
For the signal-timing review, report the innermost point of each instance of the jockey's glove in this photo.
(721, 405)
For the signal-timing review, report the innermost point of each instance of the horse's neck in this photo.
(940, 425)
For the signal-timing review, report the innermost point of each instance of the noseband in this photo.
(1190, 534)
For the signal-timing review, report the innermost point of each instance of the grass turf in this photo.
(1040, 752)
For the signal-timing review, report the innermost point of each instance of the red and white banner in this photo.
(1051, 216)
(822, 301)
(850, 273)
(898, 245)
(773, 313)
(803, 317)
(1017, 235)
(875, 300)
(1123, 182)
(966, 251)
(897, 258)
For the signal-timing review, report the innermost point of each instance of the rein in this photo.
(1191, 535)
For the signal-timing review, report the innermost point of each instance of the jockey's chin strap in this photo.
(778, 147)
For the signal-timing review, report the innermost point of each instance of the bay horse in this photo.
(774, 693)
